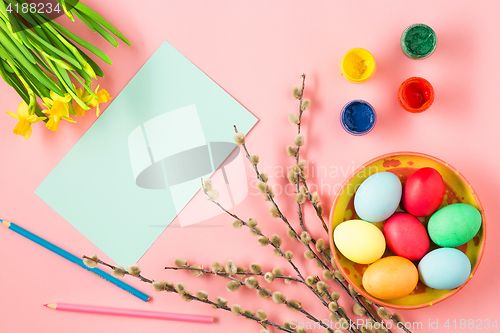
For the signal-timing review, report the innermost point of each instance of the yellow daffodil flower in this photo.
(23, 127)
(86, 97)
(58, 111)
(55, 97)
(102, 97)
(89, 70)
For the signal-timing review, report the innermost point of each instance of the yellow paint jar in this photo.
(357, 65)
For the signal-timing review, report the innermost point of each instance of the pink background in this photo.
(257, 50)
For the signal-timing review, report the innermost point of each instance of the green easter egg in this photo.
(454, 225)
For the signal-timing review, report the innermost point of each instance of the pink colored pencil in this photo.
(131, 313)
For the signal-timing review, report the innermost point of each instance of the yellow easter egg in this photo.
(359, 241)
(390, 278)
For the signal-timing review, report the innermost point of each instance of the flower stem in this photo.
(31, 93)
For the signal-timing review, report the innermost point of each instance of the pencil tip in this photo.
(51, 305)
(45, 304)
(5, 223)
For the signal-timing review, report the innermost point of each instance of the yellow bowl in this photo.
(403, 164)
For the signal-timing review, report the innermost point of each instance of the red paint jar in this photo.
(416, 94)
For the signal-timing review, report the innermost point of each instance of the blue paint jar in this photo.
(358, 117)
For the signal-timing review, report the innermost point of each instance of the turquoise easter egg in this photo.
(454, 225)
(378, 197)
(444, 268)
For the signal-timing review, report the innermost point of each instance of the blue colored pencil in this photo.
(75, 259)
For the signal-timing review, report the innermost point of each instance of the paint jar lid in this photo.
(416, 94)
(358, 117)
(418, 41)
(357, 65)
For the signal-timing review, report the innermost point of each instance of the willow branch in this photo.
(259, 233)
(215, 305)
(277, 248)
(206, 271)
(270, 294)
(116, 268)
(393, 318)
(280, 214)
(302, 179)
(316, 208)
(301, 218)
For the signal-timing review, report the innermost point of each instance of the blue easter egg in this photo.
(378, 197)
(444, 268)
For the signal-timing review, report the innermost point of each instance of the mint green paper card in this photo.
(141, 162)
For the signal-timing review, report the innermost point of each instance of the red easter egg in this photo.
(423, 192)
(406, 236)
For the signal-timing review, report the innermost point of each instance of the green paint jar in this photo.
(418, 41)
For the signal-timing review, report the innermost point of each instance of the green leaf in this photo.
(39, 48)
(39, 113)
(56, 38)
(39, 60)
(21, 91)
(95, 50)
(66, 11)
(19, 88)
(84, 58)
(14, 82)
(98, 71)
(4, 55)
(59, 62)
(30, 80)
(83, 19)
(83, 74)
(3, 72)
(67, 82)
(3, 10)
(103, 32)
(26, 16)
(23, 49)
(12, 21)
(84, 85)
(35, 85)
(81, 7)
(18, 33)
(7, 67)
(55, 28)
(50, 49)
(34, 70)
(61, 54)
(69, 88)
(18, 44)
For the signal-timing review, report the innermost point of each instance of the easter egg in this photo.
(423, 192)
(406, 236)
(390, 278)
(454, 225)
(359, 241)
(378, 197)
(444, 268)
